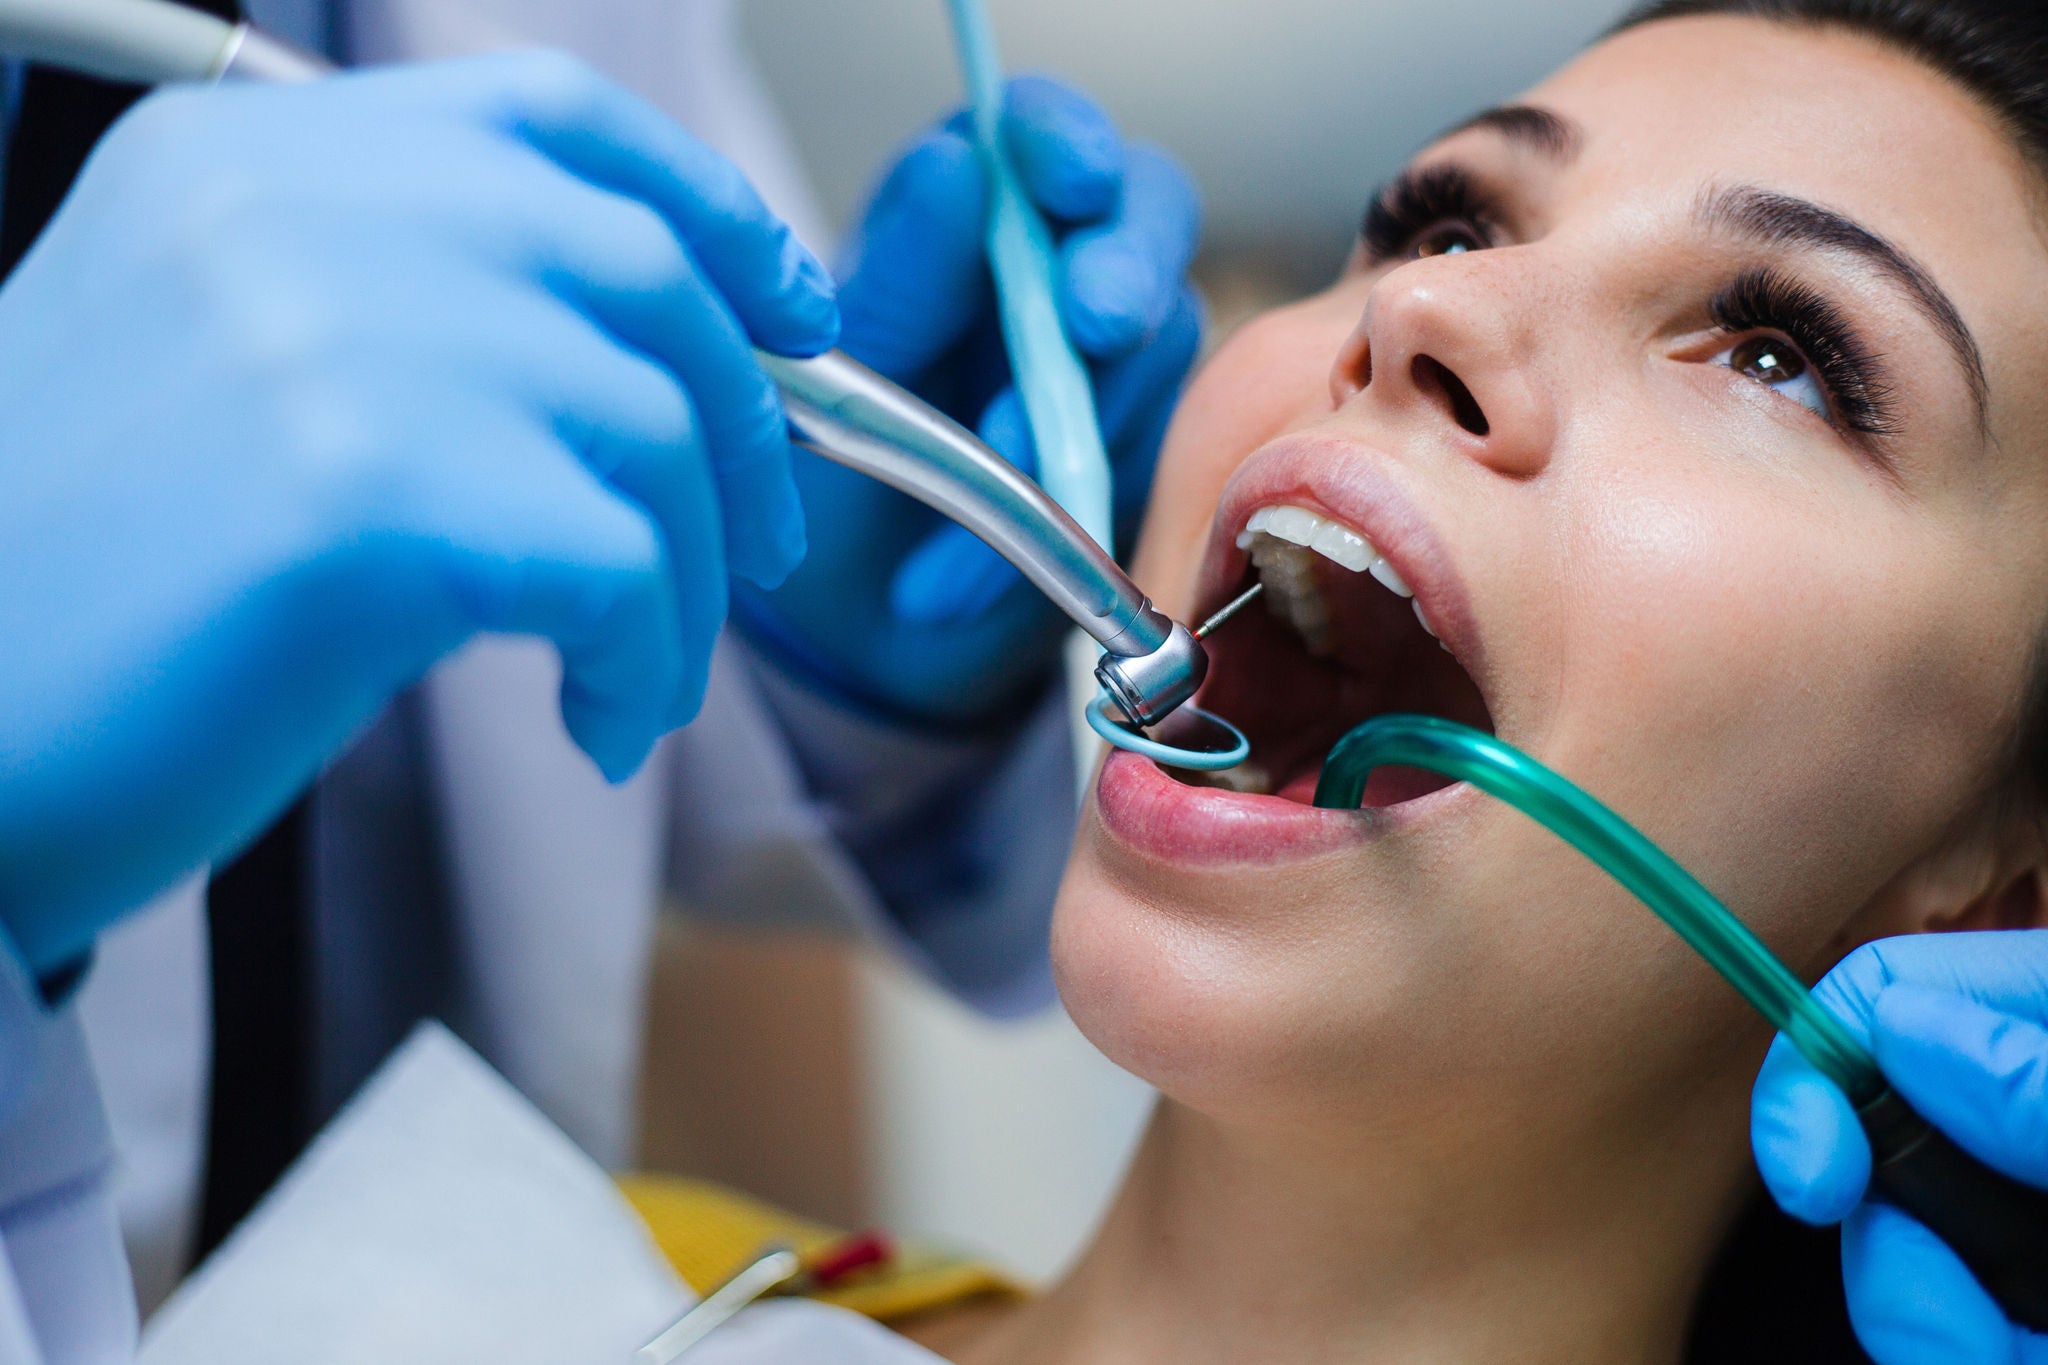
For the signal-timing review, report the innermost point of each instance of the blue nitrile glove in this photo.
(1956, 1023)
(896, 606)
(305, 386)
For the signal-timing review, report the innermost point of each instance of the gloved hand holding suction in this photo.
(308, 385)
(1957, 1022)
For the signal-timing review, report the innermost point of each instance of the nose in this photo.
(1443, 341)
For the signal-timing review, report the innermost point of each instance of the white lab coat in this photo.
(773, 805)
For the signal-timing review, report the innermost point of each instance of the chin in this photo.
(1230, 997)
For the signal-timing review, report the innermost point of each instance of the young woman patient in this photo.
(1698, 403)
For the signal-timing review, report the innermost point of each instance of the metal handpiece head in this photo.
(1149, 687)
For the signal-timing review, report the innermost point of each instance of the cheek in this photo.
(1766, 680)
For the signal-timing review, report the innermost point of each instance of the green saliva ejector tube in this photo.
(1998, 1226)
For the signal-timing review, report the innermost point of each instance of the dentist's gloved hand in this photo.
(894, 605)
(306, 386)
(1959, 1024)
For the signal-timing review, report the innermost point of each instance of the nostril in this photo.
(1352, 373)
(1434, 377)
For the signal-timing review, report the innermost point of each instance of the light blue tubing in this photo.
(1227, 745)
(1620, 850)
(1059, 400)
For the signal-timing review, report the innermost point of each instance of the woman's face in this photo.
(1702, 412)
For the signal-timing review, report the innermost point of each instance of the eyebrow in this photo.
(1544, 131)
(1770, 218)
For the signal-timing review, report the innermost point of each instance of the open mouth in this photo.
(1337, 639)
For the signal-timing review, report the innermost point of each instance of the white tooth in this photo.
(1288, 572)
(1247, 778)
(1244, 539)
(1260, 519)
(1425, 622)
(1343, 545)
(1390, 579)
(1296, 525)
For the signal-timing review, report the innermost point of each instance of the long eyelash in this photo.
(1418, 199)
(1768, 300)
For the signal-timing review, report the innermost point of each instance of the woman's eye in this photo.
(1777, 364)
(1447, 239)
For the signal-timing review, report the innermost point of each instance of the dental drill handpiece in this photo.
(847, 413)
(837, 407)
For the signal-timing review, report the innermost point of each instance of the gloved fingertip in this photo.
(688, 698)
(807, 323)
(951, 577)
(1113, 301)
(1911, 1300)
(766, 547)
(620, 767)
(770, 567)
(812, 275)
(617, 742)
(819, 331)
(1067, 152)
(1809, 1147)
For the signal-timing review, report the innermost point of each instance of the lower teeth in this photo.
(1246, 779)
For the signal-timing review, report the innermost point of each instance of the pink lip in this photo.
(1170, 822)
(1349, 484)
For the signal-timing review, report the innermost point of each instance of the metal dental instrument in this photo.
(1229, 609)
(758, 1278)
(837, 407)
(849, 414)
(147, 42)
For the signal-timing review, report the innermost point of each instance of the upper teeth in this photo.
(1283, 542)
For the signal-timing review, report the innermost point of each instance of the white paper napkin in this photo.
(439, 1219)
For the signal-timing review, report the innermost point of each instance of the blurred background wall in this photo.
(865, 1095)
(1287, 111)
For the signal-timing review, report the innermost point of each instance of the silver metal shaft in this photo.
(774, 1267)
(1229, 609)
(846, 412)
(146, 42)
(849, 414)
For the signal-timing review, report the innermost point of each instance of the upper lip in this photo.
(1351, 484)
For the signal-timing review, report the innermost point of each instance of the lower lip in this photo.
(1150, 813)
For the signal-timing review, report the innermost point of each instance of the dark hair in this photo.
(1775, 1292)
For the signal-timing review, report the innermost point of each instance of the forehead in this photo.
(1818, 110)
